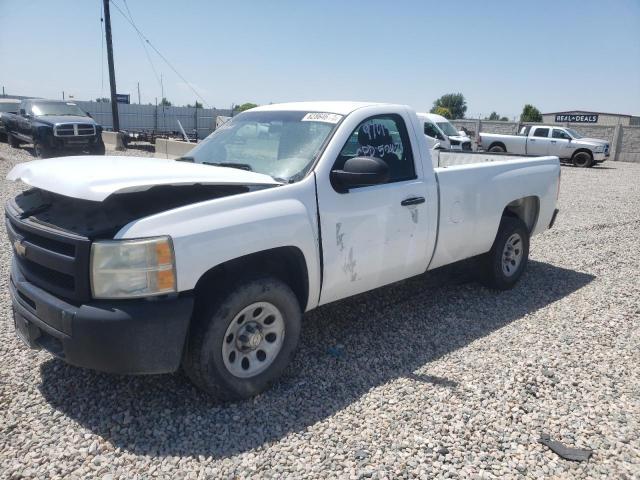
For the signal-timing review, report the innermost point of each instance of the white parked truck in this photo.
(141, 265)
(562, 142)
(439, 130)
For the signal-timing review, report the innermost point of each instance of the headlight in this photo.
(132, 268)
(599, 149)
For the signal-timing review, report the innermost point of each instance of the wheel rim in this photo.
(253, 340)
(512, 255)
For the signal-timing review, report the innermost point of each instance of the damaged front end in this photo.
(102, 220)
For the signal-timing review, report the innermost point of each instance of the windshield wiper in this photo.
(241, 166)
(184, 159)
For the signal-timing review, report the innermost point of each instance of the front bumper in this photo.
(73, 143)
(139, 336)
(600, 157)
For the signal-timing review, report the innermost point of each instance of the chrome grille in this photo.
(74, 130)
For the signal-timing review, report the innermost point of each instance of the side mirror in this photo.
(23, 112)
(360, 172)
(88, 114)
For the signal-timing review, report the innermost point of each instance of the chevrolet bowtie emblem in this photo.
(21, 249)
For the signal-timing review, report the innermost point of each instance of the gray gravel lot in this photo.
(432, 377)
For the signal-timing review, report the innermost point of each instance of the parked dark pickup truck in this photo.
(54, 128)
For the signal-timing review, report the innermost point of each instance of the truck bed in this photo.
(448, 158)
(474, 189)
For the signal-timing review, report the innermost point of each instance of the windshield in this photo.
(573, 133)
(448, 129)
(280, 144)
(9, 107)
(57, 108)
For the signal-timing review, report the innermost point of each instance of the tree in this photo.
(445, 112)
(164, 102)
(495, 116)
(103, 100)
(454, 102)
(245, 106)
(530, 114)
(197, 105)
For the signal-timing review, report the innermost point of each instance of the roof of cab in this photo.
(434, 117)
(342, 108)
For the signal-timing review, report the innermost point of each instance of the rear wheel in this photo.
(583, 159)
(13, 141)
(497, 149)
(507, 260)
(242, 342)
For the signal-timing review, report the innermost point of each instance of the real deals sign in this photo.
(122, 98)
(576, 118)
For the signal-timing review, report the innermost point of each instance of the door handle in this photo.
(553, 141)
(412, 201)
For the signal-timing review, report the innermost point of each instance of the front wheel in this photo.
(97, 149)
(41, 151)
(507, 260)
(583, 159)
(242, 342)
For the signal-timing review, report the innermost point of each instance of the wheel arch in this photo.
(497, 144)
(582, 150)
(286, 263)
(526, 209)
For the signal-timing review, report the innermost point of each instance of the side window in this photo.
(384, 137)
(541, 132)
(431, 131)
(560, 134)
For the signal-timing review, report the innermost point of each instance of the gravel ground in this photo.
(435, 376)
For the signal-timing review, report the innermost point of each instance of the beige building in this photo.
(593, 118)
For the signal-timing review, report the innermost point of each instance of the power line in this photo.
(159, 54)
(144, 46)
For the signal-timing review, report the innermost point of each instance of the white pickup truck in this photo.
(565, 143)
(141, 265)
(439, 130)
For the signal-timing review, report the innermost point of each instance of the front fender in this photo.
(213, 232)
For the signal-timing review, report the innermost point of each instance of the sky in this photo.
(556, 55)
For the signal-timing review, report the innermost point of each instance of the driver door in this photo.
(559, 143)
(375, 235)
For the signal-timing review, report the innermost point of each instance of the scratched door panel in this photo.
(369, 239)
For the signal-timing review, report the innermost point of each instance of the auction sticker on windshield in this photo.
(322, 117)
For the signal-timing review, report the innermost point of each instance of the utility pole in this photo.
(138, 93)
(62, 94)
(112, 74)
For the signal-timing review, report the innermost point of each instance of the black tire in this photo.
(497, 149)
(13, 141)
(41, 151)
(494, 273)
(97, 149)
(203, 359)
(582, 159)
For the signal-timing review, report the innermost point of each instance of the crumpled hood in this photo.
(96, 177)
